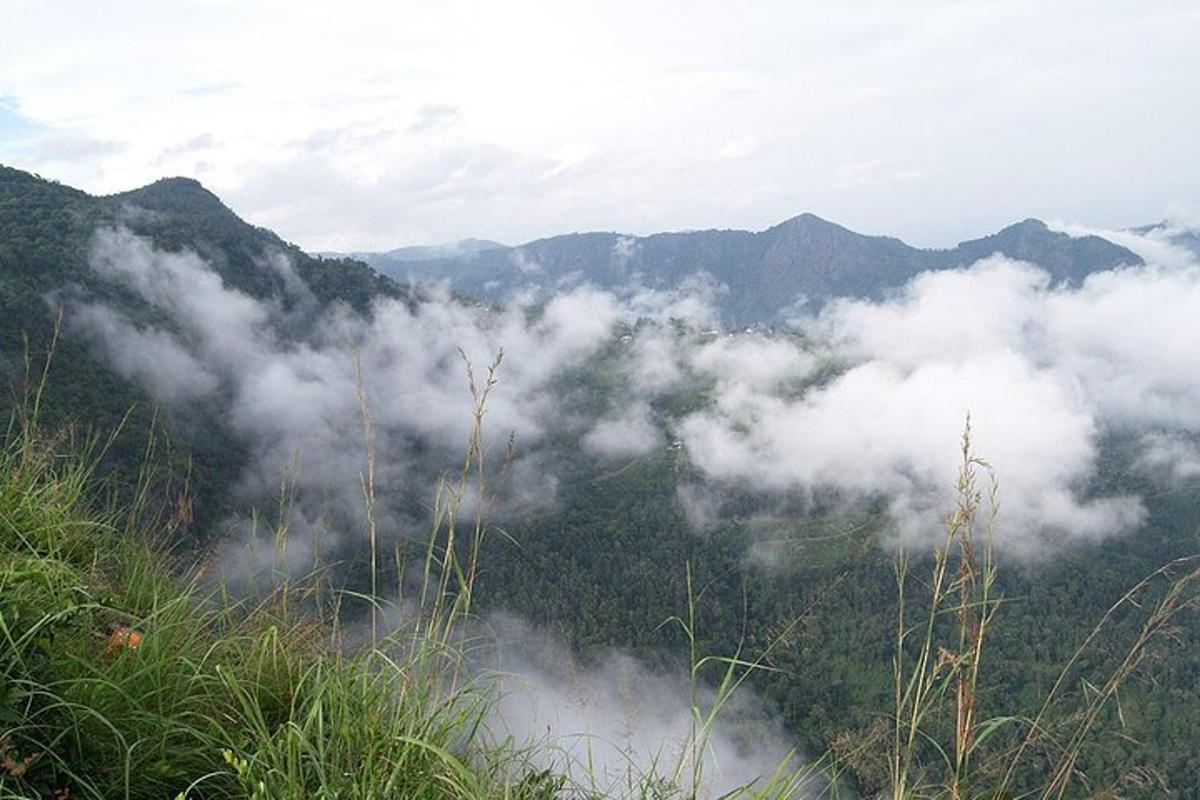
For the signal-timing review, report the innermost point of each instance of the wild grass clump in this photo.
(941, 747)
(124, 675)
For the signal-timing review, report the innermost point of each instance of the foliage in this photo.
(210, 698)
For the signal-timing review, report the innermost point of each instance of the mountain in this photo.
(46, 235)
(463, 248)
(1187, 238)
(805, 258)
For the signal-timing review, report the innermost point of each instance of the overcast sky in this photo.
(363, 125)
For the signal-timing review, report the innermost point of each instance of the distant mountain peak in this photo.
(807, 225)
(177, 185)
(1030, 227)
(810, 223)
(1027, 229)
(806, 220)
(177, 195)
(1067, 258)
(807, 217)
(177, 181)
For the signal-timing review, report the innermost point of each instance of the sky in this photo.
(370, 125)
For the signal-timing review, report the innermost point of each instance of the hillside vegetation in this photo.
(125, 675)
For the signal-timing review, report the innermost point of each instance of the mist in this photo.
(611, 723)
(866, 399)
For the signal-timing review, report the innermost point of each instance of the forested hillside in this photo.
(46, 232)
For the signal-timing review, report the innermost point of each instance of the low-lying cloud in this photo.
(614, 723)
(865, 400)
(294, 399)
(632, 432)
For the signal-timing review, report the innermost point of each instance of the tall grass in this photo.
(961, 586)
(794, 777)
(940, 748)
(124, 675)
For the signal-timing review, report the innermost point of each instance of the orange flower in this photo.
(122, 638)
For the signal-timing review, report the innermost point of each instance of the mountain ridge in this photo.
(803, 259)
(47, 234)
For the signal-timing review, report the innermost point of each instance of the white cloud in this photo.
(741, 147)
(1172, 456)
(692, 303)
(654, 363)
(1155, 247)
(152, 357)
(434, 117)
(294, 403)
(883, 430)
(629, 433)
(624, 247)
(614, 724)
(1044, 371)
(524, 263)
(856, 174)
(752, 364)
